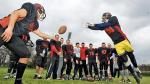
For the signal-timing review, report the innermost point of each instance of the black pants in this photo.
(83, 66)
(69, 67)
(16, 45)
(93, 64)
(103, 65)
(77, 66)
(53, 67)
(111, 68)
(115, 72)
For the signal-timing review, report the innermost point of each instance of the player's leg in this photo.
(10, 68)
(51, 67)
(111, 68)
(115, 72)
(55, 68)
(118, 72)
(105, 69)
(121, 70)
(38, 63)
(68, 70)
(76, 68)
(133, 60)
(85, 68)
(17, 46)
(101, 69)
(125, 60)
(130, 50)
(80, 69)
(62, 69)
(121, 51)
(11, 65)
(15, 66)
(41, 68)
(127, 76)
(95, 70)
(90, 69)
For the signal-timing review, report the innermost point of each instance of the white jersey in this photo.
(77, 52)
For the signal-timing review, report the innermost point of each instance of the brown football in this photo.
(62, 29)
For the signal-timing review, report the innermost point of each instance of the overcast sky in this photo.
(134, 17)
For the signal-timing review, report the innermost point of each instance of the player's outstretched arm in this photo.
(100, 26)
(42, 35)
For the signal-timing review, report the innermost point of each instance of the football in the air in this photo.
(62, 29)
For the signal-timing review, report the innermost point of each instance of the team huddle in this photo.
(14, 31)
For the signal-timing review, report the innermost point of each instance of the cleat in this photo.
(7, 76)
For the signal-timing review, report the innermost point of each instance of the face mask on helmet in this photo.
(106, 16)
(41, 15)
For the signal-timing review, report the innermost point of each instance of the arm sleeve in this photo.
(102, 26)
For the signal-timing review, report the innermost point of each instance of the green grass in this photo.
(28, 79)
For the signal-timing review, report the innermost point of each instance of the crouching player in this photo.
(19, 22)
(14, 59)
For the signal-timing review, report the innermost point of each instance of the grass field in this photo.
(28, 79)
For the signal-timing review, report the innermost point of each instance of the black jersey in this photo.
(103, 54)
(91, 53)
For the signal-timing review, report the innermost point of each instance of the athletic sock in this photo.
(20, 71)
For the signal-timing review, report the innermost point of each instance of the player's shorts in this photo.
(16, 45)
(123, 46)
(40, 61)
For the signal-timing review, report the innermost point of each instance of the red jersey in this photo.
(83, 53)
